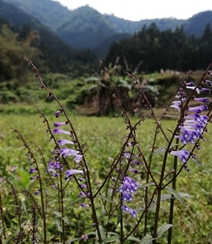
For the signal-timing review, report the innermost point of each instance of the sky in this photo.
(143, 9)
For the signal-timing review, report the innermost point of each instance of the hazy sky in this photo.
(143, 9)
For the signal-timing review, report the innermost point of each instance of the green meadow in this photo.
(102, 138)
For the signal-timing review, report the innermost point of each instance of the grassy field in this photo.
(103, 138)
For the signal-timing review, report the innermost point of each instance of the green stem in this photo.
(159, 190)
(147, 180)
(171, 210)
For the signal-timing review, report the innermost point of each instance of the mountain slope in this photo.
(87, 28)
(58, 55)
(48, 12)
(196, 24)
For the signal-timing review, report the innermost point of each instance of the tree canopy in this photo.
(163, 50)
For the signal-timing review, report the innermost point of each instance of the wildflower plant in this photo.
(125, 205)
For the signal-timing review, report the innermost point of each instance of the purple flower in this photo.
(191, 83)
(129, 210)
(37, 192)
(203, 100)
(126, 196)
(208, 82)
(205, 90)
(60, 131)
(132, 212)
(84, 205)
(63, 142)
(84, 237)
(71, 172)
(182, 154)
(81, 194)
(68, 152)
(54, 168)
(197, 118)
(194, 87)
(128, 185)
(127, 155)
(83, 186)
(33, 177)
(57, 113)
(198, 109)
(78, 158)
(32, 170)
(176, 105)
(57, 124)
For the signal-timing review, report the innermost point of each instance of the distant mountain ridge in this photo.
(86, 28)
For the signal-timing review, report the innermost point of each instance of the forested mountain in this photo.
(87, 28)
(156, 50)
(57, 56)
(48, 12)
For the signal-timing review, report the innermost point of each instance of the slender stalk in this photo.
(62, 211)
(73, 133)
(2, 219)
(147, 180)
(43, 208)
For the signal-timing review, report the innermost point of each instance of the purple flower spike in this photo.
(57, 124)
(182, 154)
(59, 131)
(71, 172)
(63, 142)
(198, 109)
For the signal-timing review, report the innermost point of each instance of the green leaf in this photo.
(102, 232)
(72, 240)
(66, 220)
(147, 239)
(111, 239)
(58, 226)
(58, 214)
(182, 194)
(175, 194)
(105, 198)
(165, 197)
(147, 185)
(75, 201)
(196, 161)
(160, 150)
(163, 229)
(91, 79)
